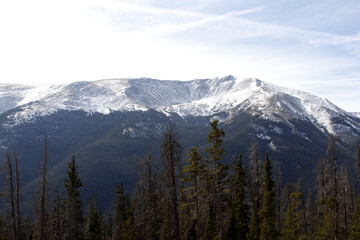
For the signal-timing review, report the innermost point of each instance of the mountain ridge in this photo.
(200, 97)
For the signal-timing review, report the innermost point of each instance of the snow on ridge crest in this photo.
(199, 97)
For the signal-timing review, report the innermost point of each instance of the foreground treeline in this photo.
(203, 198)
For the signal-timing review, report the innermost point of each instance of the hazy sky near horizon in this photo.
(309, 45)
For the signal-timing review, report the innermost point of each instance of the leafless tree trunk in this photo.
(11, 195)
(43, 194)
(17, 173)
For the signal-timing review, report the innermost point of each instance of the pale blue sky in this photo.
(310, 45)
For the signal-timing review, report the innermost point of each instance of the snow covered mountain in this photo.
(202, 97)
(109, 124)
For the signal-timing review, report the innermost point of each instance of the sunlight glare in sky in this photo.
(313, 46)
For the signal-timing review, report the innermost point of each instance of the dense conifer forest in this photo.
(199, 197)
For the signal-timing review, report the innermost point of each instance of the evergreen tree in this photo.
(193, 177)
(255, 187)
(239, 221)
(323, 192)
(4, 233)
(56, 217)
(148, 208)
(346, 201)
(74, 219)
(288, 189)
(120, 212)
(217, 185)
(310, 209)
(211, 232)
(293, 222)
(108, 226)
(329, 217)
(171, 157)
(94, 229)
(355, 228)
(277, 181)
(327, 229)
(357, 159)
(130, 232)
(268, 212)
(332, 153)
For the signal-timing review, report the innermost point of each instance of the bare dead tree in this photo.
(17, 173)
(12, 196)
(43, 213)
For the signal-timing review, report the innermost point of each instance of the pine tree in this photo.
(108, 226)
(94, 229)
(148, 209)
(293, 222)
(357, 159)
(120, 212)
(310, 210)
(329, 223)
(239, 221)
(73, 207)
(211, 231)
(130, 232)
(193, 177)
(4, 233)
(277, 180)
(217, 179)
(355, 228)
(255, 187)
(56, 217)
(171, 157)
(268, 212)
(346, 201)
(328, 229)
(332, 153)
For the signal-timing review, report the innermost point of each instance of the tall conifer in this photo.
(293, 221)
(94, 229)
(73, 206)
(255, 187)
(120, 214)
(268, 212)
(217, 179)
(171, 157)
(239, 228)
(193, 178)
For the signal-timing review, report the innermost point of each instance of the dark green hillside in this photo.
(107, 147)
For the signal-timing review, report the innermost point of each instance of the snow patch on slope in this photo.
(99, 96)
